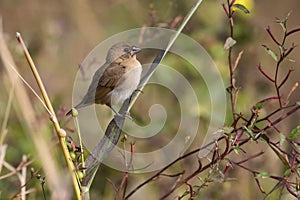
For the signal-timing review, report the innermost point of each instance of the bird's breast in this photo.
(126, 85)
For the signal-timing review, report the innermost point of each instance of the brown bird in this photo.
(116, 79)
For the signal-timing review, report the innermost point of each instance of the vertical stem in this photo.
(76, 122)
(232, 90)
(60, 132)
(276, 84)
(23, 178)
(282, 56)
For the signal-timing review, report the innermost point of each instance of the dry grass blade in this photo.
(2, 155)
(27, 114)
(59, 131)
(6, 116)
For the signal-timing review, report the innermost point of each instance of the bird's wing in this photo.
(104, 81)
(108, 81)
(89, 97)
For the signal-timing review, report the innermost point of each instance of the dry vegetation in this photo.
(247, 164)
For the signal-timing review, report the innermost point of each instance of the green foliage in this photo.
(63, 41)
(263, 175)
(271, 53)
(241, 7)
(295, 133)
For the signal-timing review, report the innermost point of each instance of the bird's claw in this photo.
(125, 115)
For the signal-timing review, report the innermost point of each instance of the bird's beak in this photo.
(135, 50)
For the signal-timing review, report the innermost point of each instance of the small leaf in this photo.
(288, 15)
(298, 103)
(280, 156)
(259, 105)
(283, 26)
(229, 43)
(271, 53)
(249, 131)
(282, 139)
(236, 149)
(257, 136)
(282, 22)
(201, 180)
(231, 138)
(241, 8)
(263, 175)
(290, 59)
(295, 133)
(282, 50)
(287, 173)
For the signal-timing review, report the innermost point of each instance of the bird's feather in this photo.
(111, 76)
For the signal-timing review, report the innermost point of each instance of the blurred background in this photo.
(60, 34)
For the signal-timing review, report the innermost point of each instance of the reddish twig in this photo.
(272, 36)
(285, 78)
(284, 116)
(293, 31)
(265, 74)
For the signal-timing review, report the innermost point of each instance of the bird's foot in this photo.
(125, 115)
(138, 90)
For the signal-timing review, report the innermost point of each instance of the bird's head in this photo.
(123, 49)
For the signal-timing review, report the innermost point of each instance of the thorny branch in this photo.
(244, 129)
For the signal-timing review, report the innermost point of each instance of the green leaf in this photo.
(236, 149)
(263, 175)
(282, 139)
(295, 133)
(257, 135)
(282, 22)
(283, 26)
(287, 173)
(249, 131)
(280, 156)
(229, 43)
(298, 103)
(282, 50)
(290, 59)
(201, 180)
(271, 53)
(231, 138)
(241, 8)
(259, 105)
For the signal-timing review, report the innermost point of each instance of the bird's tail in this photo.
(69, 112)
(80, 105)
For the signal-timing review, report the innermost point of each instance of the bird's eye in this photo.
(127, 50)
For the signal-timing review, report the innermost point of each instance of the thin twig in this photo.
(285, 78)
(3, 131)
(165, 168)
(32, 90)
(265, 74)
(272, 36)
(232, 88)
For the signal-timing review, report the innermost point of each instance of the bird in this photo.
(116, 79)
